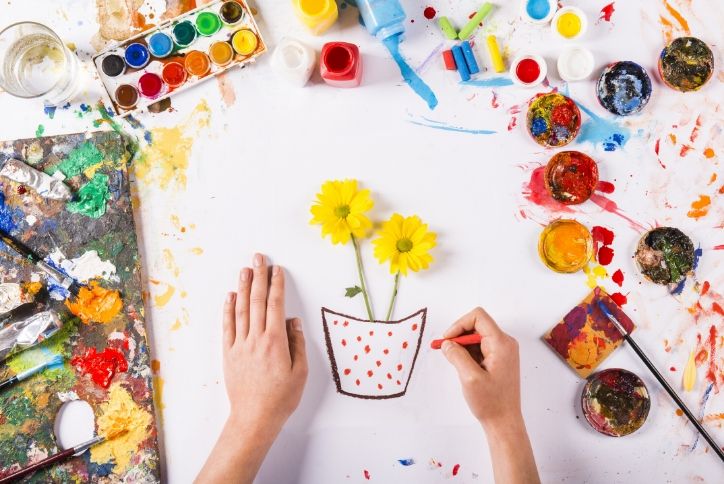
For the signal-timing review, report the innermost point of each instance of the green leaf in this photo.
(352, 291)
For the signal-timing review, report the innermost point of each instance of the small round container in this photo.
(538, 11)
(137, 56)
(150, 85)
(208, 23)
(686, 64)
(174, 74)
(197, 63)
(565, 246)
(221, 53)
(553, 120)
(569, 23)
(184, 33)
(575, 64)
(113, 65)
(528, 70)
(615, 402)
(244, 42)
(160, 45)
(571, 177)
(126, 96)
(624, 88)
(231, 12)
(665, 255)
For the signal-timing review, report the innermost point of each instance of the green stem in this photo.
(362, 283)
(394, 296)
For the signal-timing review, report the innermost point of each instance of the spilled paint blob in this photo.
(95, 304)
(49, 111)
(607, 12)
(455, 469)
(599, 131)
(431, 123)
(617, 278)
(619, 298)
(490, 82)
(39, 131)
(7, 216)
(602, 240)
(120, 413)
(700, 207)
(90, 200)
(406, 462)
(79, 160)
(429, 13)
(408, 74)
(366, 474)
(101, 367)
(226, 88)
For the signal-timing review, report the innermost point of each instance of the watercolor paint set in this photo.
(178, 54)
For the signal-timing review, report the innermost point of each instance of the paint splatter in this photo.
(366, 473)
(455, 469)
(80, 160)
(39, 132)
(535, 192)
(90, 200)
(619, 298)
(617, 278)
(101, 367)
(700, 207)
(8, 216)
(602, 240)
(669, 29)
(408, 74)
(226, 88)
(406, 462)
(607, 12)
(612, 207)
(429, 13)
(431, 123)
(49, 111)
(599, 131)
(95, 304)
(490, 82)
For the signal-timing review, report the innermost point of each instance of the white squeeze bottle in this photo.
(383, 18)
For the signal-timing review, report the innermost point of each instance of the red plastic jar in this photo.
(341, 64)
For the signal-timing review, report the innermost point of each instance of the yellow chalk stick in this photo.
(689, 379)
(495, 57)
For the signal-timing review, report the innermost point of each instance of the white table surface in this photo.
(254, 166)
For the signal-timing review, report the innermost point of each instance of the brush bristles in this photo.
(116, 433)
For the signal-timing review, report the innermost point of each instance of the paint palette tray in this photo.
(179, 53)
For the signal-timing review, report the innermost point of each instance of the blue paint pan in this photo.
(624, 88)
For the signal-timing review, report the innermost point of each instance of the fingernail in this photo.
(258, 260)
(276, 270)
(297, 324)
(245, 274)
(446, 345)
(230, 297)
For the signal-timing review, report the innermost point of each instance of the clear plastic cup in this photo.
(35, 63)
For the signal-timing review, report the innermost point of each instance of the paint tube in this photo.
(45, 185)
(25, 333)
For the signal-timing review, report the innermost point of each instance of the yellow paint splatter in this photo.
(170, 262)
(164, 162)
(593, 273)
(95, 304)
(709, 153)
(197, 250)
(700, 207)
(119, 413)
(158, 384)
(689, 378)
(176, 222)
(161, 300)
(176, 325)
(184, 294)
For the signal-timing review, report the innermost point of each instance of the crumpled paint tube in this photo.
(45, 185)
(25, 333)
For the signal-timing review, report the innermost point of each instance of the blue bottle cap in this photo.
(160, 44)
(137, 56)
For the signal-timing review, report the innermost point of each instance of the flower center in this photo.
(342, 211)
(404, 245)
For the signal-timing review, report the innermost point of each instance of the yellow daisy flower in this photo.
(405, 242)
(340, 210)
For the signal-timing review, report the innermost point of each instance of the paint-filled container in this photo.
(340, 64)
(126, 96)
(538, 11)
(575, 64)
(184, 33)
(160, 44)
(686, 64)
(528, 70)
(565, 246)
(113, 65)
(221, 53)
(383, 18)
(624, 88)
(553, 120)
(615, 402)
(137, 56)
(293, 61)
(571, 177)
(231, 13)
(197, 63)
(151, 86)
(244, 42)
(317, 15)
(665, 255)
(569, 23)
(174, 74)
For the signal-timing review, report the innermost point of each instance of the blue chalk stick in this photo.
(460, 61)
(470, 58)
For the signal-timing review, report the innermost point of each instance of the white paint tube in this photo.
(45, 185)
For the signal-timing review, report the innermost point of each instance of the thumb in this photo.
(297, 347)
(459, 357)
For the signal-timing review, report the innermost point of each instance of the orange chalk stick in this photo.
(465, 340)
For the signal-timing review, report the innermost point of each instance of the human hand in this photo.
(264, 358)
(489, 373)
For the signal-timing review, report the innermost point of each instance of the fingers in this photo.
(275, 305)
(297, 347)
(468, 369)
(258, 295)
(476, 320)
(242, 304)
(228, 325)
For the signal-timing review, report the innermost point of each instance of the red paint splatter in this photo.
(389, 333)
(685, 149)
(385, 351)
(389, 376)
(355, 358)
(618, 277)
(367, 348)
(673, 368)
(605, 187)
(494, 102)
(399, 367)
(456, 469)
(414, 327)
(370, 373)
(695, 131)
(605, 255)
(101, 366)
(513, 123)
(378, 363)
(429, 13)
(367, 474)
(716, 308)
(345, 324)
(359, 338)
(705, 287)
(344, 342)
(712, 372)
(357, 381)
(719, 247)
(619, 298)
(611, 207)
(379, 386)
(602, 235)
(372, 333)
(535, 191)
(347, 371)
(656, 146)
(607, 12)
(701, 356)
(22, 190)
(404, 345)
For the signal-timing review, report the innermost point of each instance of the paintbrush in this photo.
(61, 456)
(25, 253)
(56, 360)
(661, 380)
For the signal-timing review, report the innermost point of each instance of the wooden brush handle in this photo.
(38, 465)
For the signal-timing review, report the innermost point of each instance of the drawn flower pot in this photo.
(372, 359)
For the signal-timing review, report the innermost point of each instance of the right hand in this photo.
(491, 380)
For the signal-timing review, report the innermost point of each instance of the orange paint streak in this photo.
(668, 27)
(717, 309)
(713, 178)
(709, 153)
(700, 207)
(95, 304)
(679, 18)
(672, 137)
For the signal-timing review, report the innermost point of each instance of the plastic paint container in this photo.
(184, 33)
(293, 61)
(538, 11)
(208, 23)
(317, 15)
(150, 85)
(231, 12)
(126, 96)
(160, 44)
(137, 56)
(565, 246)
(575, 64)
(221, 53)
(569, 23)
(382, 19)
(624, 88)
(528, 70)
(571, 177)
(174, 74)
(686, 64)
(553, 120)
(615, 402)
(340, 64)
(197, 63)
(244, 42)
(113, 65)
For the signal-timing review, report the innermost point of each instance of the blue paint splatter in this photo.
(431, 123)
(49, 111)
(598, 130)
(679, 288)
(697, 255)
(85, 108)
(406, 462)
(704, 399)
(492, 82)
(65, 106)
(7, 216)
(408, 74)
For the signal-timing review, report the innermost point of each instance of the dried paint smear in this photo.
(96, 304)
